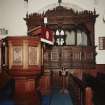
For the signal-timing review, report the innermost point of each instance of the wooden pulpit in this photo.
(23, 63)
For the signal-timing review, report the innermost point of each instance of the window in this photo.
(84, 39)
(70, 37)
(17, 55)
(101, 43)
(60, 37)
(33, 56)
(79, 37)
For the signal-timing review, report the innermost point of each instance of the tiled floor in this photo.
(59, 98)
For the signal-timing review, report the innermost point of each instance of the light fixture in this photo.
(62, 32)
(45, 20)
(60, 38)
(57, 32)
(61, 41)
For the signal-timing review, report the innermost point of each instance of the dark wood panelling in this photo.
(100, 67)
(69, 57)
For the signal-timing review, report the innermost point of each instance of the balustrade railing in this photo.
(77, 90)
(70, 57)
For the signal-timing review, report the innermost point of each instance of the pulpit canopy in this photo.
(45, 34)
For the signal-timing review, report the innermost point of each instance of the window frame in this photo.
(101, 43)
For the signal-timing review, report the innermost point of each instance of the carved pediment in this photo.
(61, 15)
(63, 11)
(60, 11)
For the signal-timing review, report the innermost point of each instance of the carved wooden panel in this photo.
(55, 58)
(77, 56)
(55, 54)
(66, 57)
(17, 55)
(88, 57)
(70, 57)
(32, 55)
(30, 85)
(51, 57)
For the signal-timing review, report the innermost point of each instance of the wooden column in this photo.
(45, 85)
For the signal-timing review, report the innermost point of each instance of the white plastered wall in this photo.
(12, 13)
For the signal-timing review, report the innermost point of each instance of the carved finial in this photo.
(59, 1)
(27, 14)
(94, 11)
